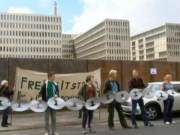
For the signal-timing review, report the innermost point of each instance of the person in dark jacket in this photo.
(5, 92)
(86, 92)
(48, 90)
(137, 83)
(112, 85)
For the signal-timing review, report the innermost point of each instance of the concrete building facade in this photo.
(160, 44)
(68, 49)
(108, 40)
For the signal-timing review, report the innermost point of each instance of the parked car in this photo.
(154, 107)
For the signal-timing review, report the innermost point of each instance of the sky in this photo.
(80, 15)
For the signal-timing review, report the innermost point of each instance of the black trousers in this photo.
(87, 115)
(117, 106)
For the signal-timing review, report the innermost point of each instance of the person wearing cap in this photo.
(169, 102)
(87, 91)
(112, 85)
(5, 92)
(137, 83)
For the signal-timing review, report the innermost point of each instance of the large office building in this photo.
(160, 44)
(30, 36)
(108, 40)
(68, 49)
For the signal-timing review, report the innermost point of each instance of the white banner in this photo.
(29, 83)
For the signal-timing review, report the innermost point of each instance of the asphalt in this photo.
(102, 129)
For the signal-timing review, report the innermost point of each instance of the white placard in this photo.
(153, 71)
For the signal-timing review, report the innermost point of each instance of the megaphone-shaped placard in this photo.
(3, 103)
(19, 105)
(161, 95)
(148, 93)
(92, 103)
(74, 104)
(122, 96)
(171, 92)
(56, 104)
(37, 106)
(135, 94)
(108, 98)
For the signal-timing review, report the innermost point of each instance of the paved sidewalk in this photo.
(64, 118)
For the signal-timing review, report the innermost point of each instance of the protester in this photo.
(169, 102)
(137, 83)
(5, 92)
(86, 92)
(112, 85)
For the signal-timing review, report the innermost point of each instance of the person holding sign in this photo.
(48, 90)
(5, 92)
(137, 83)
(86, 92)
(112, 85)
(169, 102)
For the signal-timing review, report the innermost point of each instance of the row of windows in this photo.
(162, 54)
(30, 26)
(118, 31)
(29, 41)
(117, 23)
(118, 37)
(30, 34)
(163, 59)
(30, 18)
(148, 33)
(67, 51)
(117, 58)
(90, 38)
(173, 47)
(31, 56)
(30, 49)
(91, 50)
(175, 40)
(92, 44)
(173, 53)
(113, 44)
(90, 32)
(173, 27)
(157, 36)
(67, 56)
(150, 56)
(118, 51)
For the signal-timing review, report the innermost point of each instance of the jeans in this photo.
(168, 105)
(5, 117)
(80, 113)
(117, 106)
(50, 112)
(87, 115)
(143, 112)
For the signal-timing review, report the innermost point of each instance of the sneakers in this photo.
(112, 128)
(135, 126)
(149, 124)
(83, 131)
(167, 123)
(91, 130)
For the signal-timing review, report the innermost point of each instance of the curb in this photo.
(58, 124)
